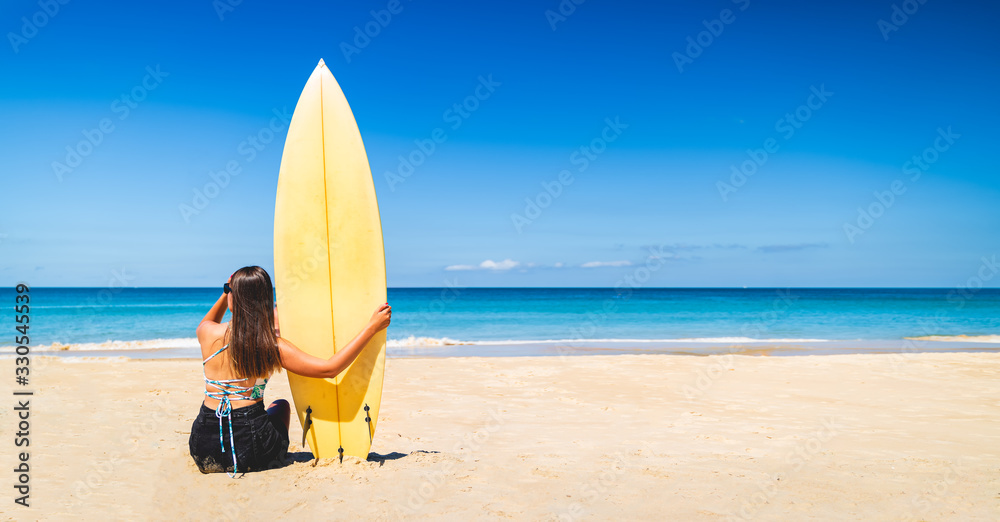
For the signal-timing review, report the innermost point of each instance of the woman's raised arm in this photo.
(218, 310)
(214, 316)
(208, 326)
(297, 361)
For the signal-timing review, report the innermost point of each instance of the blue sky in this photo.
(831, 105)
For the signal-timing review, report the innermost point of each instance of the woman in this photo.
(233, 432)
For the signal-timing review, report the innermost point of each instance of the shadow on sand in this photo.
(305, 456)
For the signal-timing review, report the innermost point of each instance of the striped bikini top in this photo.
(228, 389)
(225, 392)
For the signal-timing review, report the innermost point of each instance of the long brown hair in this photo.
(253, 345)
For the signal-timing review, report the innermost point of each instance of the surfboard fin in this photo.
(368, 419)
(305, 428)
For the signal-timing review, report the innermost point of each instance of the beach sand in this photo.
(653, 437)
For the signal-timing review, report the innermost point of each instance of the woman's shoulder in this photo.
(211, 335)
(211, 330)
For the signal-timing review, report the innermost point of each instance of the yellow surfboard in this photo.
(329, 265)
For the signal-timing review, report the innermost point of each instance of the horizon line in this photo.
(558, 287)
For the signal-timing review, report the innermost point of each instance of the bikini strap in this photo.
(217, 352)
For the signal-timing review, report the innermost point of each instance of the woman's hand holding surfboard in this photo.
(380, 319)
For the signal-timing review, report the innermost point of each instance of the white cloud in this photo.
(506, 264)
(598, 264)
(489, 264)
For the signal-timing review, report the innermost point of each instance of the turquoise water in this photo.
(545, 316)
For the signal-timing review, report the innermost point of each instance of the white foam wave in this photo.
(445, 341)
(422, 341)
(148, 344)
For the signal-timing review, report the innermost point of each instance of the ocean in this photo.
(561, 321)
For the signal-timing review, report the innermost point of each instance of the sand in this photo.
(652, 437)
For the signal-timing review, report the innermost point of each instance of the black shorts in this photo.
(261, 441)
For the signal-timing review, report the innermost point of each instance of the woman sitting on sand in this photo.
(233, 432)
